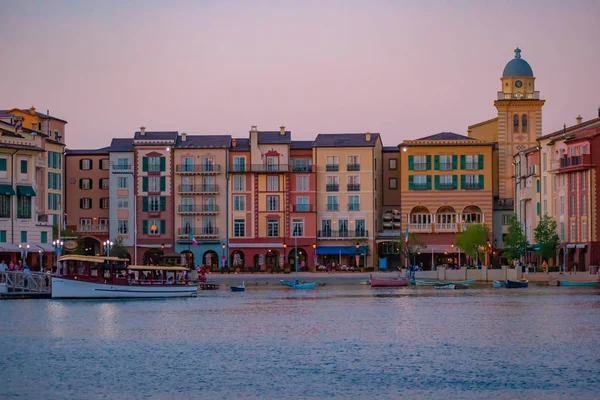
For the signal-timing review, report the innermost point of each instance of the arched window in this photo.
(524, 123)
(516, 124)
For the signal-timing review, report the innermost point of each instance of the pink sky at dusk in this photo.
(405, 69)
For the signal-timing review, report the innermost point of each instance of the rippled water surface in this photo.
(349, 341)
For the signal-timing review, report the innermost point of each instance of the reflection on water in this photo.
(337, 341)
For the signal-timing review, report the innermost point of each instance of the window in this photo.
(360, 228)
(302, 164)
(154, 164)
(272, 203)
(239, 203)
(583, 180)
(325, 228)
(472, 162)
(572, 182)
(332, 163)
(446, 182)
(297, 227)
(353, 183)
(332, 203)
(562, 205)
(393, 164)
(353, 163)
(23, 207)
(53, 201)
(584, 149)
(122, 227)
(562, 231)
(471, 182)
(208, 164)
(353, 203)
(544, 160)
(2, 236)
(573, 232)
(3, 167)
(505, 219)
(239, 228)
(515, 123)
(583, 205)
(420, 163)
(153, 204)
(85, 164)
(272, 163)
(419, 182)
(104, 163)
(302, 183)
(545, 207)
(122, 163)
(85, 203)
(343, 227)
(393, 183)
(239, 183)
(332, 183)
(5, 206)
(272, 228)
(54, 181)
(153, 227)
(23, 236)
(545, 185)
(524, 123)
(153, 184)
(445, 163)
(85, 184)
(104, 203)
(572, 206)
(122, 202)
(272, 183)
(302, 204)
(239, 164)
(122, 182)
(584, 231)
(104, 183)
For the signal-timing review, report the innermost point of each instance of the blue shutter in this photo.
(163, 226)
(411, 163)
(437, 182)
(2, 236)
(144, 164)
(481, 184)
(3, 167)
(44, 238)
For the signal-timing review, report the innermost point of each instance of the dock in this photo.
(25, 285)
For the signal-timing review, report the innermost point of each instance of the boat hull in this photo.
(388, 282)
(469, 282)
(237, 289)
(460, 286)
(499, 284)
(74, 289)
(450, 286)
(571, 283)
(425, 283)
(516, 284)
(303, 286)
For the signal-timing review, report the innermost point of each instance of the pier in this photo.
(25, 285)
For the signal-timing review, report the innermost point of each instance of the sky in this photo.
(405, 69)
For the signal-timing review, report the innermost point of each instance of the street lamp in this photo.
(223, 258)
(107, 247)
(24, 250)
(153, 228)
(162, 245)
(314, 246)
(41, 259)
(58, 245)
(357, 257)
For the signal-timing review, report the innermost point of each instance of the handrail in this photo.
(30, 281)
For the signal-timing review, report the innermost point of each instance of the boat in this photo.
(364, 282)
(302, 285)
(469, 282)
(499, 284)
(571, 283)
(425, 283)
(388, 282)
(521, 283)
(93, 277)
(445, 286)
(240, 288)
(460, 286)
(289, 283)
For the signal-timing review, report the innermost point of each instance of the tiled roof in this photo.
(241, 145)
(584, 125)
(168, 135)
(301, 144)
(205, 141)
(274, 137)
(39, 115)
(121, 145)
(446, 136)
(345, 140)
(103, 150)
(391, 149)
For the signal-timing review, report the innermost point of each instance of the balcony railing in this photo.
(452, 227)
(153, 168)
(423, 228)
(332, 167)
(301, 168)
(303, 208)
(576, 161)
(353, 207)
(92, 228)
(332, 187)
(198, 188)
(419, 186)
(354, 187)
(333, 207)
(519, 96)
(420, 166)
(471, 186)
(203, 232)
(121, 168)
(198, 169)
(343, 234)
(353, 167)
(472, 166)
(446, 186)
(198, 209)
(260, 168)
(445, 166)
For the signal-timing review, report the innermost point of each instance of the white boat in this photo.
(89, 277)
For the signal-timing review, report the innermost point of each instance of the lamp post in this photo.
(223, 258)
(314, 246)
(24, 250)
(285, 257)
(41, 259)
(58, 245)
(107, 247)
(357, 257)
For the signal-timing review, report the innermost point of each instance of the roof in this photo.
(301, 145)
(447, 136)
(103, 150)
(55, 142)
(205, 141)
(575, 128)
(241, 145)
(483, 123)
(157, 135)
(391, 149)
(97, 259)
(345, 140)
(27, 110)
(121, 145)
(517, 66)
(274, 137)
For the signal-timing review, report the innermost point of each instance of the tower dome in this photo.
(517, 66)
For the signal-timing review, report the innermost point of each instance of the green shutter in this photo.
(538, 185)
(538, 208)
(23, 236)
(144, 204)
(428, 162)
(481, 183)
(144, 184)
(463, 161)
(437, 182)
(463, 181)
(3, 167)
(436, 162)
(411, 163)
(480, 161)
(163, 164)
(145, 227)
(454, 161)
(163, 183)
(18, 209)
(163, 203)
(428, 181)
(163, 226)
(411, 181)
(2, 236)
(454, 181)
(144, 164)
(23, 166)
(44, 238)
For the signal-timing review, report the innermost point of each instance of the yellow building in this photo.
(349, 200)
(446, 184)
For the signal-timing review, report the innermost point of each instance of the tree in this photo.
(118, 250)
(515, 241)
(414, 245)
(546, 237)
(473, 240)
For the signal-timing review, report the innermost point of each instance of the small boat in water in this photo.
(571, 283)
(364, 282)
(499, 284)
(522, 283)
(460, 286)
(240, 288)
(290, 283)
(469, 282)
(425, 283)
(450, 286)
(388, 282)
(302, 285)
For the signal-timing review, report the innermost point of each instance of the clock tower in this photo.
(519, 118)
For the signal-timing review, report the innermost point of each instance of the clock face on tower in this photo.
(518, 84)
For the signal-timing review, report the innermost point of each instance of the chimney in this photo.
(233, 142)
(578, 119)
(368, 137)
(142, 130)
(282, 130)
(253, 128)
(183, 136)
(32, 110)
(48, 112)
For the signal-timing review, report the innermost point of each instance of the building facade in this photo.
(390, 236)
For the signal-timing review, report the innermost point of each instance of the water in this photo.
(349, 341)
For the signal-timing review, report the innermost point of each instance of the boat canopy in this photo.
(155, 268)
(93, 259)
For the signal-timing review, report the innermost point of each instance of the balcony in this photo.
(420, 166)
(301, 168)
(198, 209)
(186, 169)
(471, 186)
(121, 168)
(419, 186)
(198, 189)
(446, 186)
(353, 207)
(92, 228)
(42, 220)
(451, 227)
(303, 208)
(332, 168)
(343, 234)
(445, 166)
(153, 168)
(332, 187)
(519, 96)
(353, 167)
(420, 228)
(354, 187)
(201, 233)
(333, 207)
(259, 168)
(574, 163)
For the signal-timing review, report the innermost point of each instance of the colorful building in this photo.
(390, 236)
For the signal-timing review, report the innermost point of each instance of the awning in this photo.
(25, 191)
(6, 190)
(346, 250)
(45, 247)
(9, 247)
